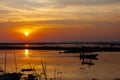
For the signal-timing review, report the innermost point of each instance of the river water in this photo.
(64, 66)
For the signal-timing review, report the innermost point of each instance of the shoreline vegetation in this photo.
(37, 43)
(99, 47)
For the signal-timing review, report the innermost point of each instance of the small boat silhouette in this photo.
(88, 56)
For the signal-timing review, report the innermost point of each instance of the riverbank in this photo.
(66, 49)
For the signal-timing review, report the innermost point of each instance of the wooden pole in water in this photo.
(31, 68)
(55, 74)
(44, 65)
(15, 62)
(44, 71)
(5, 62)
(1, 70)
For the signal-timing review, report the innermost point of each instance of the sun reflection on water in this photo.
(26, 52)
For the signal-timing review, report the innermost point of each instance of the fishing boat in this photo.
(32, 75)
(88, 56)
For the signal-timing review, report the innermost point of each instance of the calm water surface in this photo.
(68, 66)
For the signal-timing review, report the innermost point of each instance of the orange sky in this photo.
(59, 20)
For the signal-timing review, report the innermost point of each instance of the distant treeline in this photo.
(66, 49)
(38, 43)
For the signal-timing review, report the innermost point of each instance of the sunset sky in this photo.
(59, 20)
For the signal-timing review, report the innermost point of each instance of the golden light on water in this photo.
(26, 52)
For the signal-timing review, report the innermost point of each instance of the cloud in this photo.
(32, 4)
(87, 2)
(77, 16)
(73, 10)
(56, 24)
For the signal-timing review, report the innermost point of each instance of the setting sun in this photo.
(26, 33)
